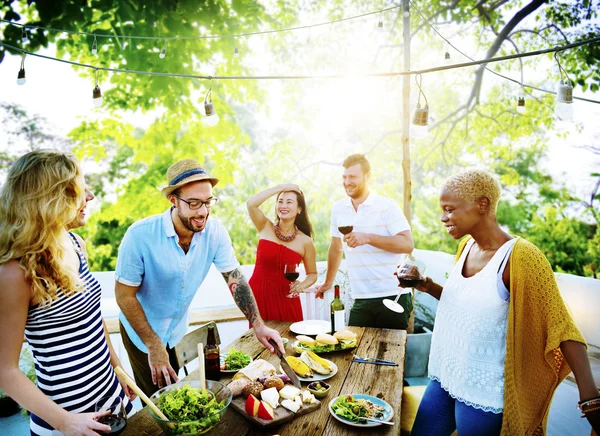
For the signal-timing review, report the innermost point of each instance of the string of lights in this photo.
(564, 94)
(313, 76)
(521, 83)
(27, 27)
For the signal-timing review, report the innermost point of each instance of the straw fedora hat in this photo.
(184, 172)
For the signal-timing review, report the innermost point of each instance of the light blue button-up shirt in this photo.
(168, 278)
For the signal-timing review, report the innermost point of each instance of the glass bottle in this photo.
(338, 315)
(212, 364)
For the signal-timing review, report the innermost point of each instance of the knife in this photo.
(286, 366)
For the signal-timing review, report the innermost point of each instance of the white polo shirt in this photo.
(370, 269)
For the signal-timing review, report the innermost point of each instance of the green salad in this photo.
(356, 410)
(236, 360)
(197, 406)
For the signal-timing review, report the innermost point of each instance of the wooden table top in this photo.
(385, 382)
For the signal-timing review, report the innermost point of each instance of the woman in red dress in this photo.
(285, 242)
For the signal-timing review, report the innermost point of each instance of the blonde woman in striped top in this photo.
(48, 293)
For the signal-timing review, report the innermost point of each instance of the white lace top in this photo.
(468, 345)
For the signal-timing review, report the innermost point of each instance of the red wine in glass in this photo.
(344, 230)
(116, 417)
(410, 282)
(290, 272)
(117, 424)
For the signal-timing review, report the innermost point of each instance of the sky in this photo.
(55, 91)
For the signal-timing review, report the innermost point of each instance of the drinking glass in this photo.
(290, 272)
(410, 274)
(345, 225)
(117, 418)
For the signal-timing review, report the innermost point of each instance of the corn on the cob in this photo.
(325, 363)
(299, 367)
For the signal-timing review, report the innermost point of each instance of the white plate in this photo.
(335, 350)
(230, 371)
(388, 413)
(311, 327)
(317, 377)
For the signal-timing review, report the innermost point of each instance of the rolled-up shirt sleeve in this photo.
(130, 262)
(225, 259)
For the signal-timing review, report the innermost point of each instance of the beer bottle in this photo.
(338, 314)
(212, 364)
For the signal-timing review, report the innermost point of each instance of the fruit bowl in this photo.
(199, 425)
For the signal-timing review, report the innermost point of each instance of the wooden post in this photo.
(406, 128)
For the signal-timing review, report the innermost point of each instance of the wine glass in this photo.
(410, 274)
(290, 272)
(345, 225)
(116, 419)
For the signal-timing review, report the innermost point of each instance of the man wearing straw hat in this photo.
(163, 259)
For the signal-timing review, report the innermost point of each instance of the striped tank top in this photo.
(71, 355)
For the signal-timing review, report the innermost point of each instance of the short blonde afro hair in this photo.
(471, 185)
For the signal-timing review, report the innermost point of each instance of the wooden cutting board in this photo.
(281, 413)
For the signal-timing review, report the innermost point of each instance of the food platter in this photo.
(230, 371)
(318, 377)
(388, 412)
(311, 327)
(337, 347)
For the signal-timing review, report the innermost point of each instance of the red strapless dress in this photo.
(269, 285)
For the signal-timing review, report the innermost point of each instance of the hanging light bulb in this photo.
(21, 76)
(163, 52)
(97, 94)
(447, 57)
(420, 124)
(564, 94)
(521, 101)
(380, 24)
(95, 46)
(212, 117)
(236, 52)
(24, 36)
(564, 101)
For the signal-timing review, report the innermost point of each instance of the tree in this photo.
(25, 133)
(473, 114)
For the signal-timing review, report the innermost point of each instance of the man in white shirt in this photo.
(373, 249)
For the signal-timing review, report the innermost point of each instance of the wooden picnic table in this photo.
(385, 382)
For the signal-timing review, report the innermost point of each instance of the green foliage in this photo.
(489, 132)
(564, 241)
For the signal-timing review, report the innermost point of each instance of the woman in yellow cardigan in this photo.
(503, 339)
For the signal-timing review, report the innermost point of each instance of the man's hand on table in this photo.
(264, 333)
(158, 360)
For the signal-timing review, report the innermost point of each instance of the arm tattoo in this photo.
(242, 294)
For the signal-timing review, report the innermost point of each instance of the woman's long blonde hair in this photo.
(43, 193)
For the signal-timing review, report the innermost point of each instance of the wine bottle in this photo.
(212, 363)
(338, 315)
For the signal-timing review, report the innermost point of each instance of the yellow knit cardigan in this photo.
(538, 321)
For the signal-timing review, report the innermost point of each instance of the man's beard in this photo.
(187, 222)
(359, 190)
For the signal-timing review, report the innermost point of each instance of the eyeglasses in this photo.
(197, 204)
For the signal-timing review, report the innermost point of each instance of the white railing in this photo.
(582, 295)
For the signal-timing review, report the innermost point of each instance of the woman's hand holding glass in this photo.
(290, 272)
